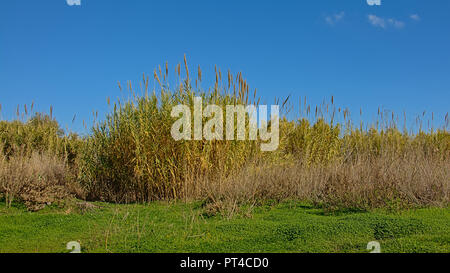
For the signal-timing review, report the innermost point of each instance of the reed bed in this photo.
(130, 155)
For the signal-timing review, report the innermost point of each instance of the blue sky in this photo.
(394, 56)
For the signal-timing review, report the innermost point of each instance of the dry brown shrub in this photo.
(37, 181)
(389, 182)
(367, 182)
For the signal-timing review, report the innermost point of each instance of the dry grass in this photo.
(37, 180)
(364, 183)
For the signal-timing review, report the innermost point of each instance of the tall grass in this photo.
(130, 156)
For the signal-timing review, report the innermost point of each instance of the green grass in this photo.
(179, 227)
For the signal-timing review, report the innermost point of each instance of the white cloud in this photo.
(415, 17)
(395, 23)
(335, 18)
(384, 23)
(377, 21)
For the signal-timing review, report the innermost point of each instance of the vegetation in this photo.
(178, 227)
(131, 157)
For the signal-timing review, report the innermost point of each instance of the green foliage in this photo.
(41, 134)
(394, 228)
(315, 144)
(164, 228)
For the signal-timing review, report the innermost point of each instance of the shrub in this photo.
(36, 181)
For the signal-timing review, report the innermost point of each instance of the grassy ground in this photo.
(178, 227)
